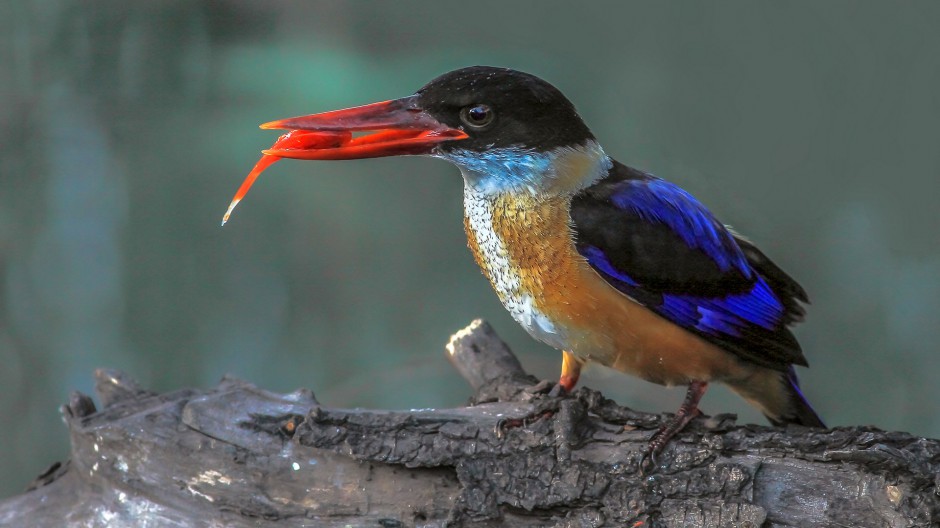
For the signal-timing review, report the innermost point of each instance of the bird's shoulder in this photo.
(661, 233)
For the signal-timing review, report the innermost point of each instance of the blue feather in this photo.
(725, 315)
(659, 246)
(502, 169)
(596, 257)
(659, 201)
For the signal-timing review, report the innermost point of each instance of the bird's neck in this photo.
(517, 217)
(562, 171)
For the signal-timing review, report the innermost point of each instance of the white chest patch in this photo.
(503, 273)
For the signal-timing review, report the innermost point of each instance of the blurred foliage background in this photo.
(125, 128)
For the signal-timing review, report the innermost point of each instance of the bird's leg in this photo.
(684, 415)
(570, 372)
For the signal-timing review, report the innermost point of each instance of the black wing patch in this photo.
(657, 244)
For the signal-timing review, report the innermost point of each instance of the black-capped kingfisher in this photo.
(607, 263)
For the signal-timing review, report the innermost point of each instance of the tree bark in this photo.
(239, 456)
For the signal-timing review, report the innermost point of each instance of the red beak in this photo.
(399, 128)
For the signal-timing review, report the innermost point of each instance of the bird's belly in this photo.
(527, 253)
(598, 323)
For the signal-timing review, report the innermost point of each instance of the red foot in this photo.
(570, 371)
(567, 383)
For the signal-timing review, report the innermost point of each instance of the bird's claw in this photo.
(548, 388)
(511, 423)
(648, 462)
(542, 387)
(558, 391)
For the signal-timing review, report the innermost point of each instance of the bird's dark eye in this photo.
(477, 116)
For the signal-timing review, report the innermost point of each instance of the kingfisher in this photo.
(606, 263)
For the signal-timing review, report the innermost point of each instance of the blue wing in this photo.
(654, 242)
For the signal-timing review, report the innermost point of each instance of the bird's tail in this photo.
(801, 412)
(778, 395)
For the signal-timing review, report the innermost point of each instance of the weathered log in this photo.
(239, 456)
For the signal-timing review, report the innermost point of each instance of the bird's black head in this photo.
(499, 108)
(508, 131)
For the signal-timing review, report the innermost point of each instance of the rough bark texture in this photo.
(239, 456)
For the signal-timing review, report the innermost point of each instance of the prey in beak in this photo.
(392, 128)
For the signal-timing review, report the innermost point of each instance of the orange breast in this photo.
(525, 247)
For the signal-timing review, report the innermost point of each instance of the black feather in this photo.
(655, 243)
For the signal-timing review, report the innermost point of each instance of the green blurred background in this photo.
(125, 128)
